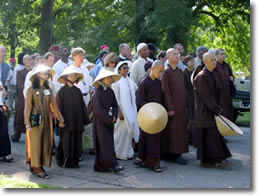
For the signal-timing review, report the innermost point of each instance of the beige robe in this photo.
(39, 141)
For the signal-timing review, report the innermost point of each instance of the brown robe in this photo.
(103, 128)
(174, 139)
(149, 144)
(39, 141)
(19, 126)
(224, 71)
(207, 139)
(5, 145)
(190, 102)
(72, 107)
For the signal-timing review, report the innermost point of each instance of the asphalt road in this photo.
(237, 175)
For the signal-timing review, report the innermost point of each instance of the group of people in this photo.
(96, 105)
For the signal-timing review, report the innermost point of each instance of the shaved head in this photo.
(209, 61)
(173, 56)
(157, 64)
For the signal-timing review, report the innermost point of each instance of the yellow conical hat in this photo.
(42, 68)
(152, 118)
(226, 127)
(103, 74)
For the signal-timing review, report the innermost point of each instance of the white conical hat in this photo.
(152, 118)
(103, 74)
(67, 71)
(226, 127)
(122, 63)
(42, 68)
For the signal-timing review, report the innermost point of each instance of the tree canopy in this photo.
(34, 25)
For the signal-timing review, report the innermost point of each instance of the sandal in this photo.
(6, 159)
(139, 163)
(43, 175)
(157, 168)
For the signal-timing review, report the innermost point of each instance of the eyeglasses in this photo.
(46, 73)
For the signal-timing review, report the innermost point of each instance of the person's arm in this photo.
(141, 95)
(168, 94)
(28, 108)
(55, 110)
(100, 112)
(203, 92)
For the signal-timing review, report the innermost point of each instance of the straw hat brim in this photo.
(68, 71)
(103, 74)
(42, 68)
(152, 118)
(226, 127)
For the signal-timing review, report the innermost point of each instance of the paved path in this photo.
(174, 176)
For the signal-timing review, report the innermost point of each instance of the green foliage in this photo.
(6, 182)
(90, 23)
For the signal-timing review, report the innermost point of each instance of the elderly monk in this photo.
(211, 148)
(174, 139)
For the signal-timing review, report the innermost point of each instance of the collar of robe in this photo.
(103, 85)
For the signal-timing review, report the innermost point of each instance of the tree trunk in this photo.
(46, 29)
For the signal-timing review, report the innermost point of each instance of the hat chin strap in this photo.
(76, 81)
(44, 79)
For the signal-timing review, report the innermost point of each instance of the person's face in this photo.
(103, 57)
(157, 72)
(152, 53)
(78, 58)
(126, 51)
(222, 56)
(27, 61)
(124, 70)
(190, 64)
(39, 61)
(173, 57)
(13, 64)
(211, 62)
(180, 49)
(108, 80)
(43, 75)
(65, 53)
(2, 53)
(145, 52)
(72, 77)
(50, 61)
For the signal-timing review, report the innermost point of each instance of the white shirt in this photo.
(84, 85)
(10, 77)
(1, 95)
(138, 70)
(59, 67)
(16, 69)
(197, 62)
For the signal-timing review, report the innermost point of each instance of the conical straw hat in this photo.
(226, 127)
(42, 68)
(66, 72)
(103, 74)
(152, 118)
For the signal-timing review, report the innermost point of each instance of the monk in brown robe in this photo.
(105, 112)
(226, 78)
(174, 139)
(149, 144)
(72, 107)
(19, 126)
(189, 62)
(211, 148)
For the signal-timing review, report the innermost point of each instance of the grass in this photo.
(244, 120)
(6, 182)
